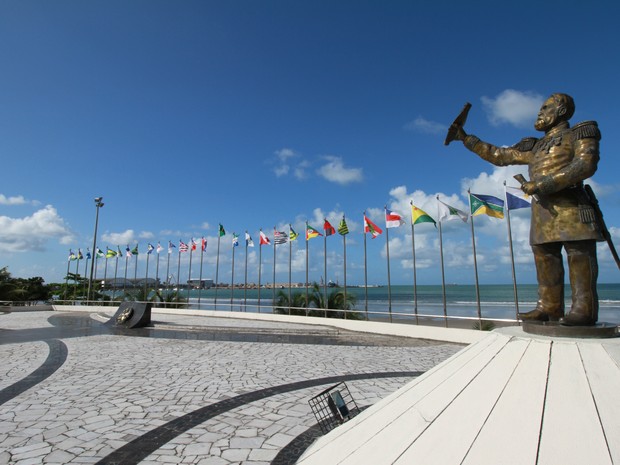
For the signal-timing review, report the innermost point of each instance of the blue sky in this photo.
(183, 115)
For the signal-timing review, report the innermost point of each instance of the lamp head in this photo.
(98, 199)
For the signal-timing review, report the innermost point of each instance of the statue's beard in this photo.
(542, 125)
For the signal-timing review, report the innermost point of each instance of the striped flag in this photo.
(292, 235)
(371, 227)
(392, 219)
(110, 253)
(183, 246)
(328, 228)
(486, 204)
(203, 244)
(279, 237)
(343, 229)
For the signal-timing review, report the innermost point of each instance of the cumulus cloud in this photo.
(125, 237)
(335, 171)
(421, 124)
(16, 200)
(513, 107)
(32, 232)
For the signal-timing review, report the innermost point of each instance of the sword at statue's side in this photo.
(601, 222)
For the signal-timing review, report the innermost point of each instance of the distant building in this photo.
(122, 283)
(200, 283)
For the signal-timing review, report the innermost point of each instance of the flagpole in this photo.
(344, 248)
(443, 276)
(86, 268)
(473, 244)
(146, 278)
(512, 255)
(179, 269)
(365, 271)
(232, 275)
(260, 264)
(273, 286)
(203, 246)
(105, 268)
(115, 275)
(168, 267)
(135, 273)
(217, 269)
(306, 268)
(157, 265)
(189, 272)
(387, 248)
(415, 282)
(290, 267)
(245, 279)
(126, 265)
(77, 275)
(325, 267)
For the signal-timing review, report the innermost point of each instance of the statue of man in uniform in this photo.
(563, 217)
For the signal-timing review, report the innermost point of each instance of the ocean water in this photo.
(497, 302)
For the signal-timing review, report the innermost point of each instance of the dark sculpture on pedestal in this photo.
(566, 214)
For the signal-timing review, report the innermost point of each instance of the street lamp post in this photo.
(98, 204)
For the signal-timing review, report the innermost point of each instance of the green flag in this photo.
(222, 232)
(343, 229)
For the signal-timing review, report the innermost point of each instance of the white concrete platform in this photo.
(511, 398)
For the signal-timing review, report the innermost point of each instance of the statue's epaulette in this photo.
(526, 144)
(586, 130)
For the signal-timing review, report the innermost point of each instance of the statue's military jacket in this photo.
(559, 163)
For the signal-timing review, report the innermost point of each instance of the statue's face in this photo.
(548, 116)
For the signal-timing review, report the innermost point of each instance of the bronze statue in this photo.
(564, 215)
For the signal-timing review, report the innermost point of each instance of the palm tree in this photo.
(336, 300)
(296, 305)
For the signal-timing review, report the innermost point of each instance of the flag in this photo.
(446, 212)
(311, 232)
(159, 248)
(264, 240)
(486, 204)
(72, 256)
(392, 219)
(194, 245)
(119, 253)
(328, 228)
(171, 246)
(370, 227)
(292, 235)
(203, 244)
(128, 251)
(183, 247)
(235, 240)
(87, 254)
(110, 253)
(343, 229)
(420, 216)
(149, 249)
(100, 253)
(134, 251)
(222, 232)
(248, 240)
(279, 237)
(516, 198)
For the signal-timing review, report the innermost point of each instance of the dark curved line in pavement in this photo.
(137, 450)
(55, 359)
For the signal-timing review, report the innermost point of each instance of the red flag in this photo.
(372, 228)
(204, 244)
(329, 229)
(264, 240)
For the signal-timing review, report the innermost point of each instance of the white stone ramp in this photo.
(511, 398)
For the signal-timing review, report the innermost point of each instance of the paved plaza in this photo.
(189, 390)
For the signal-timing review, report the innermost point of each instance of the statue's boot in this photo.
(550, 275)
(583, 273)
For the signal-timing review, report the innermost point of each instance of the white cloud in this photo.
(18, 200)
(125, 237)
(513, 107)
(32, 232)
(426, 126)
(335, 171)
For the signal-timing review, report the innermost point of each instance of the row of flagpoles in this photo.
(478, 204)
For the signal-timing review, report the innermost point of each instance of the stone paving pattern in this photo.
(113, 389)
